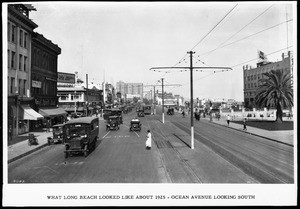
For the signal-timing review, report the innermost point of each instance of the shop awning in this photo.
(52, 112)
(31, 114)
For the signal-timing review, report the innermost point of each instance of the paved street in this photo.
(221, 155)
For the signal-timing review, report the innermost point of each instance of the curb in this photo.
(27, 153)
(256, 135)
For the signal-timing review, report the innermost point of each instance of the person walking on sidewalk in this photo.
(183, 113)
(245, 126)
(149, 139)
(228, 119)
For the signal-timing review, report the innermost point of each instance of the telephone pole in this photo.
(191, 68)
(162, 85)
(192, 100)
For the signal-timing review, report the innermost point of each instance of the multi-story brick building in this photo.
(44, 81)
(253, 75)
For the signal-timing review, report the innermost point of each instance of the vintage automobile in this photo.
(113, 112)
(80, 135)
(170, 111)
(58, 134)
(135, 125)
(112, 123)
(140, 113)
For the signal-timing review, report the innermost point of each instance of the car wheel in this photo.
(85, 150)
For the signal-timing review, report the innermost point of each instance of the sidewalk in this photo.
(21, 149)
(285, 137)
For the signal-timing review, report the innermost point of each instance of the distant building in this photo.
(253, 75)
(73, 96)
(130, 88)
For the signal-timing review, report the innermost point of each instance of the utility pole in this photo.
(191, 80)
(154, 111)
(163, 112)
(192, 108)
(162, 96)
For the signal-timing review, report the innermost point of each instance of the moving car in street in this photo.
(112, 123)
(81, 135)
(135, 125)
(58, 134)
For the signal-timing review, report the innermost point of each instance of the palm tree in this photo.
(275, 91)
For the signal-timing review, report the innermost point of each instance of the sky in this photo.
(121, 41)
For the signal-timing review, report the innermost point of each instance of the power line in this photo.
(249, 36)
(256, 58)
(214, 27)
(243, 27)
(207, 34)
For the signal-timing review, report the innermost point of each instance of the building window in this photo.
(12, 85)
(25, 63)
(25, 39)
(13, 33)
(19, 87)
(8, 58)
(24, 87)
(21, 38)
(8, 31)
(20, 61)
(13, 57)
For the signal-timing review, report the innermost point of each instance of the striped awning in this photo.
(52, 112)
(30, 114)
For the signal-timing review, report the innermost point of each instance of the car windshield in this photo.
(57, 130)
(76, 130)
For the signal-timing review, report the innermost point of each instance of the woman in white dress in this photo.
(148, 142)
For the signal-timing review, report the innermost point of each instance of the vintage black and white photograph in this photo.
(149, 103)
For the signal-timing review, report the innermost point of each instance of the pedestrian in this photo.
(183, 113)
(245, 127)
(228, 119)
(149, 139)
(210, 116)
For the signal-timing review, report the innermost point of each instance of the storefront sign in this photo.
(36, 84)
(65, 77)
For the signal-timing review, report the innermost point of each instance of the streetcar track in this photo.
(247, 167)
(181, 158)
(284, 164)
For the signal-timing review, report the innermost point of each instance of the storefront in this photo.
(53, 116)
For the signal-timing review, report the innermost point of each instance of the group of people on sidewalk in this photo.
(244, 122)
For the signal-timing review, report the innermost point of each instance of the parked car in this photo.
(58, 134)
(112, 123)
(135, 125)
(80, 135)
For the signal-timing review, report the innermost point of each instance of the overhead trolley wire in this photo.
(241, 29)
(256, 58)
(251, 35)
(207, 33)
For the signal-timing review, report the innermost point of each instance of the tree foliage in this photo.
(275, 91)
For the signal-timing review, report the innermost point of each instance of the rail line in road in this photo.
(248, 164)
(188, 169)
